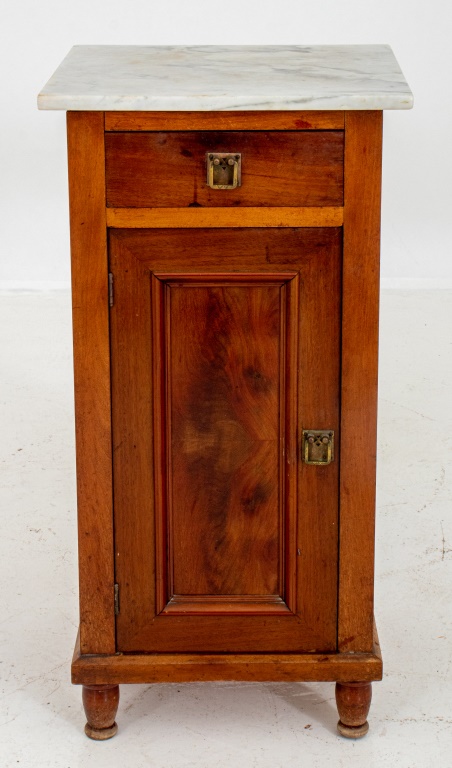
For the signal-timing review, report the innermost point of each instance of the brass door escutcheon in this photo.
(318, 446)
(224, 170)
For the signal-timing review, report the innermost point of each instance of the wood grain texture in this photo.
(226, 121)
(91, 379)
(142, 218)
(133, 443)
(359, 378)
(319, 408)
(353, 703)
(225, 345)
(226, 605)
(100, 703)
(168, 170)
(316, 255)
(185, 668)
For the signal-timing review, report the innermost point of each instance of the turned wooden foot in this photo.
(101, 704)
(353, 702)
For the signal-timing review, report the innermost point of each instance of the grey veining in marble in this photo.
(117, 77)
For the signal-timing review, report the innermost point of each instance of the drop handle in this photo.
(318, 446)
(224, 170)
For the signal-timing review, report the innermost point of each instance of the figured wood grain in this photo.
(134, 255)
(91, 379)
(223, 371)
(226, 121)
(359, 378)
(168, 169)
(141, 218)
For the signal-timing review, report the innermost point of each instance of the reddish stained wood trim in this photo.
(185, 668)
(289, 384)
(319, 408)
(363, 140)
(242, 278)
(165, 668)
(91, 379)
(142, 218)
(134, 486)
(161, 430)
(225, 607)
(182, 668)
(232, 121)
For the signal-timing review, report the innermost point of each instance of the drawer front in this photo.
(278, 168)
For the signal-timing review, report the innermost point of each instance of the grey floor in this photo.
(226, 725)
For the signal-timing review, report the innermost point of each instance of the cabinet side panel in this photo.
(91, 379)
(359, 378)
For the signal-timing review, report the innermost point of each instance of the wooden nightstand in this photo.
(225, 214)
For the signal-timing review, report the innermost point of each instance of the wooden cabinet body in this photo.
(232, 322)
(225, 228)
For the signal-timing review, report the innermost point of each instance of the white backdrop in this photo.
(417, 173)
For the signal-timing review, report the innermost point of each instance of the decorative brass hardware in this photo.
(224, 170)
(318, 446)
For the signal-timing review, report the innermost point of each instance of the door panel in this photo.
(225, 541)
(223, 344)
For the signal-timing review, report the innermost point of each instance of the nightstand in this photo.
(225, 215)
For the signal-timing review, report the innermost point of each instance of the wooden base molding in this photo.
(185, 668)
(101, 676)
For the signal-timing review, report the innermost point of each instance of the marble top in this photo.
(251, 77)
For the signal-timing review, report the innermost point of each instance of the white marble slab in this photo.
(116, 77)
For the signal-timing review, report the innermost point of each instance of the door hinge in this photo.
(116, 599)
(111, 298)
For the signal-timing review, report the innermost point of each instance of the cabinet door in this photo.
(225, 346)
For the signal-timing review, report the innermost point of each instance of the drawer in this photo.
(278, 168)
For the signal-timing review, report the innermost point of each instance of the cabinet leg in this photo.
(101, 704)
(353, 702)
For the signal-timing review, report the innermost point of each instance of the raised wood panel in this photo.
(91, 379)
(227, 121)
(359, 378)
(168, 169)
(263, 258)
(142, 218)
(224, 358)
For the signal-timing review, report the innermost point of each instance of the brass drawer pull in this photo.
(224, 170)
(318, 446)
